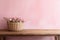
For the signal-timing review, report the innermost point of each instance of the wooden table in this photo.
(32, 32)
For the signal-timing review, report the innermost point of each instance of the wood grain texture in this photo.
(32, 32)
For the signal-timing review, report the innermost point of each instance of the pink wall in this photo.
(38, 14)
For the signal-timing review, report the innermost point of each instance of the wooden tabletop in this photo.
(32, 32)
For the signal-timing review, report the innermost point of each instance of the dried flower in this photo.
(14, 19)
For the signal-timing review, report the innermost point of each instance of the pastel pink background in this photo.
(38, 14)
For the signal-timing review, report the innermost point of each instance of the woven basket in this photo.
(15, 26)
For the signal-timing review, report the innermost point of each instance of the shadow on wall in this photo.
(3, 24)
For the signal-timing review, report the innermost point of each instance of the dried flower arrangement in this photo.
(14, 24)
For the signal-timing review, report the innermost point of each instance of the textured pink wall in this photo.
(38, 14)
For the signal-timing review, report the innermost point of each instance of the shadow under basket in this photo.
(15, 26)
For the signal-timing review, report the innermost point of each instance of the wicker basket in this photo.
(15, 26)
